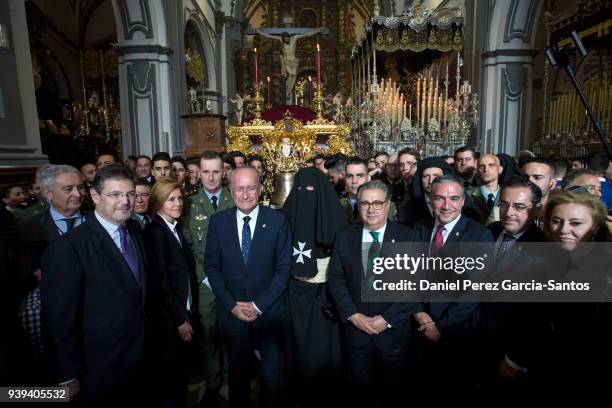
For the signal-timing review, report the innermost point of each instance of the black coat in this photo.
(171, 274)
(346, 275)
(450, 316)
(93, 309)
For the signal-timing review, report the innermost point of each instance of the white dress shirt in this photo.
(252, 223)
(112, 229)
(172, 226)
(446, 231)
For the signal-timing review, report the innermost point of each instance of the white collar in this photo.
(171, 225)
(253, 214)
(449, 226)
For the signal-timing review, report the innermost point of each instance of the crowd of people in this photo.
(129, 281)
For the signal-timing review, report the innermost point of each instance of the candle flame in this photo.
(309, 78)
(318, 49)
(255, 49)
(268, 78)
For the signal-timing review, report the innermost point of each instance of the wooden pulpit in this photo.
(203, 132)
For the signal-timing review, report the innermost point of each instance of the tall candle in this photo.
(418, 95)
(255, 64)
(318, 65)
(269, 92)
(410, 112)
(309, 89)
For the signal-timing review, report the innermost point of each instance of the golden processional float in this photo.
(402, 93)
(286, 137)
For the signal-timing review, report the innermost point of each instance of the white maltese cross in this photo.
(301, 253)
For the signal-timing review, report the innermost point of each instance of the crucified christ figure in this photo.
(289, 62)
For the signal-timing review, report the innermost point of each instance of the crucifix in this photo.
(288, 37)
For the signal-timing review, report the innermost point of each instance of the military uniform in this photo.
(196, 216)
(486, 217)
(352, 218)
(40, 206)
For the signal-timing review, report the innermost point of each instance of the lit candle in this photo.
(309, 89)
(256, 66)
(269, 93)
(318, 65)
(410, 112)
(440, 108)
(418, 95)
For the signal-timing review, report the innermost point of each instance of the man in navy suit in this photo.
(374, 331)
(247, 260)
(445, 324)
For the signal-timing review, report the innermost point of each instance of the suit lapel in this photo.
(157, 219)
(225, 201)
(108, 247)
(233, 225)
(260, 232)
(49, 229)
(457, 232)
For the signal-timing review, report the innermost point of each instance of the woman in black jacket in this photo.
(172, 292)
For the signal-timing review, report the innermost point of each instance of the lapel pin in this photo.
(263, 226)
(456, 234)
(393, 240)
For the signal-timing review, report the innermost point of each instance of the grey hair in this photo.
(237, 169)
(41, 169)
(48, 176)
(375, 185)
(570, 178)
(448, 178)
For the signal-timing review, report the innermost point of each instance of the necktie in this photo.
(355, 210)
(246, 239)
(145, 220)
(373, 253)
(214, 202)
(69, 223)
(129, 252)
(505, 244)
(490, 202)
(438, 241)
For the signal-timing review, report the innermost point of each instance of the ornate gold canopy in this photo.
(287, 144)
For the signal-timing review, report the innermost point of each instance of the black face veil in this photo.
(315, 214)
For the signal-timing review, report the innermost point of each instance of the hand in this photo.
(186, 331)
(74, 387)
(363, 323)
(422, 318)
(249, 309)
(379, 324)
(430, 331)
(375, 171)
(506, 372)
(242, 312)
(38, 274)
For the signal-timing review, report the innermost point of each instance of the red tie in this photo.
(438, 241)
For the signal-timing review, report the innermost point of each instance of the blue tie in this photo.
(129, 252)
(246, 239)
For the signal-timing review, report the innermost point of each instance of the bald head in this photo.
(489, 169)
(243, 172)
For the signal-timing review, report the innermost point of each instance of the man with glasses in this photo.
(141, 204)
(374, 331)
(93, 299)
(509, 332)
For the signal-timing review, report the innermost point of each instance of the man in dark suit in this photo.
(93, 298)
(444, 324)
(141, 205)
(374, 331)
(248, 257)
(510, 334)
(63, 187)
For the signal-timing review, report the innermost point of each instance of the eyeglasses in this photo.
(377, 205)
(116, 195)
(250, 190)
(516, 207)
